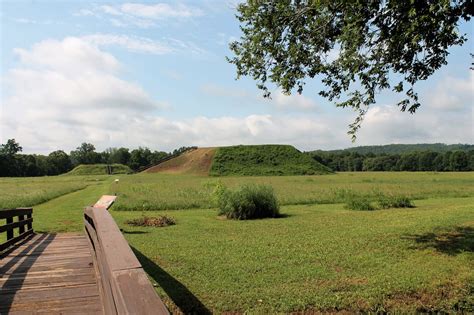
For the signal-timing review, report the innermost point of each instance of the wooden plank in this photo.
(14, 240)
(82, 262)
(100, 266)
(13, 225)
(8, 213)
(117, 252)
(53, 294)
(88, 305)
(125, 288)
(137, 295)
(13, 287)
(45, 272)
(44, 259)
(105, 202)
(47, 277)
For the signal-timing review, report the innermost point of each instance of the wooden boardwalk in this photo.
(94, 272)
(49, 273)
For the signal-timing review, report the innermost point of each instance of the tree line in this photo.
(15, 164)
(410, 161)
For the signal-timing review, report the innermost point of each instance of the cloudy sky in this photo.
(154, 74)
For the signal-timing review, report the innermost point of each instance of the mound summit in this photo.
(99, 169)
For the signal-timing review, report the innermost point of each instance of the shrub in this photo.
(159, 221)
(248, 202)
(386, 202)
(359, 203)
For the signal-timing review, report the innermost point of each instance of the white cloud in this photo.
(386, 124)
(452, 93)
(138, 44)
(141, 15)
(31, 21)
(71, 55)
(279, 100)
(143, 44)
(67, 90)
(160, 10)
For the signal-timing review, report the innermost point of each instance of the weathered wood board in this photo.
(49, 274)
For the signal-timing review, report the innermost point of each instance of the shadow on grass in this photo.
(181, 296)
(452, 242)
(134, 232)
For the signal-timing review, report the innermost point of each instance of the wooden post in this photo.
(30, 224)
(21, 228)
(9, 232)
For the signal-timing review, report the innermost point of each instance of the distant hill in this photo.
(99, 169)
(197, 161)
(404, 148)
(264, 160)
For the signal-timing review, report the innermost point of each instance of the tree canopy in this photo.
(380, 45)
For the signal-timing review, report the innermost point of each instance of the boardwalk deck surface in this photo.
(51, 274)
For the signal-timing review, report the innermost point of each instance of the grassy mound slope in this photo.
(197, 161)
(99, 169)
(264, 160)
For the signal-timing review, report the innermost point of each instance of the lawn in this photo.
(167, 191)
(318, 257)
(30, 191)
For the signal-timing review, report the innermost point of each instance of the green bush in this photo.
(248, 202)
(359, 203)
(391, 201)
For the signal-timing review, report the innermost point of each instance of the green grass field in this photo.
(317, 257)
(26, 192)
(167, 191)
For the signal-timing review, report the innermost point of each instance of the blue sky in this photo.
(154, 74)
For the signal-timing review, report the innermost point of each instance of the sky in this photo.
(154, 74)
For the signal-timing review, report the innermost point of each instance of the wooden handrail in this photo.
(25, 218)
(124, 285)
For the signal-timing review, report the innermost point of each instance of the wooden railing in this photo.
(123, 284)
(25, 219)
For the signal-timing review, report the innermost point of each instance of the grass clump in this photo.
(247, 202)
(359, 203)
(392, 201)
(383, 201)
(159, 221)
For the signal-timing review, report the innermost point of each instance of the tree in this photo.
(10, 148)
(140, 157)
(120, 156)
(8, 162)
(459, 161)
(85, 154)
(426, 161)
(58, 163)
(381, 45)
